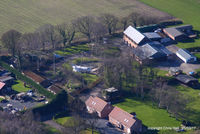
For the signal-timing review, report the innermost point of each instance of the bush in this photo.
(58, 104)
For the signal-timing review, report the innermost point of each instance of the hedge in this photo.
(27, 80)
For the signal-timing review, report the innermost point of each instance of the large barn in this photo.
(133, 37)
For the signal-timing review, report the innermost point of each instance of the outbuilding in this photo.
(153, 36)
(188, 80)
(174, 33)
(186, 56)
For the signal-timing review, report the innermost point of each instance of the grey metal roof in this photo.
(185, 54)
(134, 34)
(151, 50)
(184, 27)
(160, 48)
(185, 78)
(173, 31)
(5, 78)
(152, 35)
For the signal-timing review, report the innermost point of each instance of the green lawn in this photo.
(84, 60)
(187, 10)
(150, 116)
(89, 131)
(63, 120)
(19, 86)
(70, 50)
(89, 78)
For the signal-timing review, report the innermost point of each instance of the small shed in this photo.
(188, 80)
(110, 93)
(186, 56)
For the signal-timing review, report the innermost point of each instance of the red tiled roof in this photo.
(96, 103)
(122, 117)
(34, 76)
(2, 85)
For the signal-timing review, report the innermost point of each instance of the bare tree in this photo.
(92, 122)
(10, 39)
(109, 21)
(22, 124)
(67, 33)
(32, 44)
(85, 26)
(74, 125)
(98, 32)
(124, 21)
(133, 17)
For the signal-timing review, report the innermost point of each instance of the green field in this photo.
(150, 116)
(187, 10)
(27, 15)
(19, 86)
(194, 105)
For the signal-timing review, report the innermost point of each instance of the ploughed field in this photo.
(28, 15)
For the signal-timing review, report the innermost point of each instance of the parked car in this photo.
(109, 124)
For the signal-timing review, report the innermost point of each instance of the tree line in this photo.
(50, 37)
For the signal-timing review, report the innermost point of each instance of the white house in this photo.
(186, 56)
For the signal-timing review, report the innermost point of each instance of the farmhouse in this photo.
(186, 56)
(125, 121)
(133, 37)
(99, 106)
(188, 80)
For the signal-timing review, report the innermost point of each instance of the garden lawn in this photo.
(89, 131)
(19, 86)
(84, 60)
(89, 78)
(63, 120)
(70, 50)
(187, 10)
(150, 116)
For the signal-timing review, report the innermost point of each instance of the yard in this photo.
(19, 86)
(187, 10)
(150, 116)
